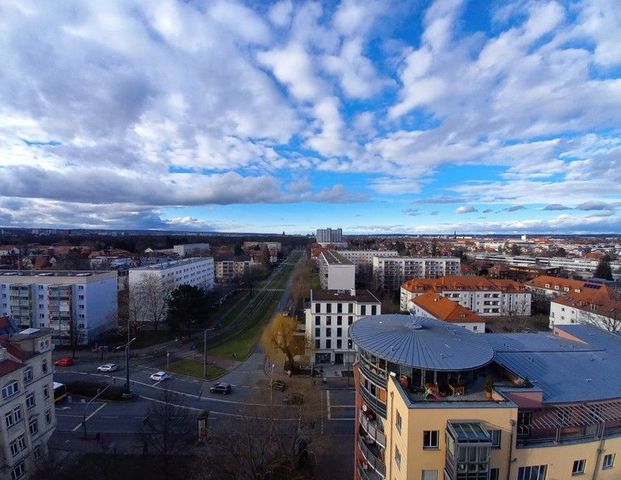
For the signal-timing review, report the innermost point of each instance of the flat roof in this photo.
(344, 296)
(334, 258)
(54, 273)
(421, 342)
(172, 263)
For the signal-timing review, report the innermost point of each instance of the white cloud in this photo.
(465, 209)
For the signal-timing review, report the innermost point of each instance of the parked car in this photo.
(279, 385)
(108, 367)
(220, 387)
(293, 399)
(160, 376)
(64, 362)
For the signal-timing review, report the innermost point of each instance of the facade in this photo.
(435, 305)
(198, 272)
(78, 305)
(27, 402)
(363, 259)
(484, 296)
(595, 304)
(391, 272)
(329, 235)
(328, 317)
(229, 269)
(336, 272)
(273, 248)
(546, 410)
(189, 249)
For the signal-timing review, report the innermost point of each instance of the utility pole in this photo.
(126, 346)
(86, 407)
(205, 350)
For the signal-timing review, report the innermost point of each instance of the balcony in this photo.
(373, 429)
(371, 454)
(368, 474)
(376, 405)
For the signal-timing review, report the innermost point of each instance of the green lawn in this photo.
(194, 368)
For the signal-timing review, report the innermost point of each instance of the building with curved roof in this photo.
(434, 400)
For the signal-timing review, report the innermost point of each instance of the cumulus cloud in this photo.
(556, 206)
(465, 209)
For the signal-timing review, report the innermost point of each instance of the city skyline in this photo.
(402, 117)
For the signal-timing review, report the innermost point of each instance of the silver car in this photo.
(108, 367)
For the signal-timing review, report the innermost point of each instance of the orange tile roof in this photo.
(594, 297)
(462, 282)
(543, 280)
(444, 309)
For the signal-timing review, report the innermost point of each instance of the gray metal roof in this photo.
(421, 342)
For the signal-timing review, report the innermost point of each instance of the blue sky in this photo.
(378, 117)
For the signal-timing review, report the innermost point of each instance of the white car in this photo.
(108, 367)
(160, 376)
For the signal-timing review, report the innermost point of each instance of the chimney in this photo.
(352, 292)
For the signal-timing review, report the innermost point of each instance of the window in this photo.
(609, 461)
(28, 374)
(363, 310)
(317, 332)
(14, 448)
(37, 452)
(48, 416)
(350, 320)
(21, 443)
(339, 332)
(10, 389)
(33, 426)
(429, 475)
(339, 343)
(578, 467)
(350, 308)
(30, 400)
(494, 474)
(398, 422)
(44, 366)
(339, 308)
(317, 308)
(317, 320)
(328, 332)
(328, 307)
(398, 457)
(18, 471)
(537, 472)
(17, 413)
(374, 310)
(430, 439)
(46, 391)
(317, 344)
(495, 434)
(339, 320)
(328, 343)
(8, 419)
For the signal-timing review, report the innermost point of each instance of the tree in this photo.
(278, 339)
(603, 269)
(166, 430)
(516, 250)
(148, 300)
(186, 306)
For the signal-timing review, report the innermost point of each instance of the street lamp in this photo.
(272, 386)
(126, 346)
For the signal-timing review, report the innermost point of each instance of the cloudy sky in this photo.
(402, 116)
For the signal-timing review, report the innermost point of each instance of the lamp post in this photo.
(272, 386)
(86, 408)
(126, 346)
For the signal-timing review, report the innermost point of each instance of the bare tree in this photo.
(148, 300)
(166, 430)
(606, 315)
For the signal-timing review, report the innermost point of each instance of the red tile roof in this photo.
(594, 297)
(8, 366)
(444, 309)
(551, 282)
(462, 282)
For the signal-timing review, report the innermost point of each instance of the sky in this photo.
(374, 116)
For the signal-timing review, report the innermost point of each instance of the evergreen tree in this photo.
(603, 269)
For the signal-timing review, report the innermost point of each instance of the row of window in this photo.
(328, 344)
(328, 332)
(339, 320)
(341, 307)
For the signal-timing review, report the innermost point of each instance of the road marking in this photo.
(89, 417)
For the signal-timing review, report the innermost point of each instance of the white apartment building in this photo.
(329, 235)
(483, 296)
(227, 270)
(198, 272)
(27, 402)
(363, 259)
(188, 249)
(336, 272)
(328, 317)
(83, 304)
(390, 272)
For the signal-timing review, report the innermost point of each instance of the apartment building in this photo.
(390, 272)
(190, 271)
(435, 401)
(551, 287)
(434, 305)
(594, 304)
(27, 402)
(363, 259)
(189, 249)
(328, 317)
(484, 296)
(336, 272)
(228, 270)
(329, 235)
(76, 305)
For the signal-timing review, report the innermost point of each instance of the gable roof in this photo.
(463, 282)
(442, 308)
(594, 297)
(549, 282)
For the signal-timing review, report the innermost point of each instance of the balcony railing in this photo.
(373, 429)
(374, 461)
(367, 474)
(374, 377)
(377, 406)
